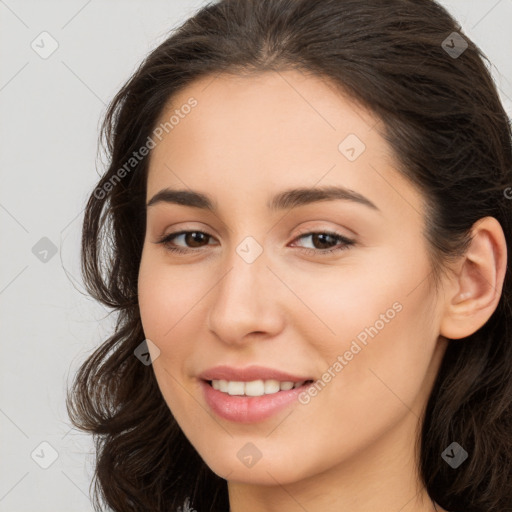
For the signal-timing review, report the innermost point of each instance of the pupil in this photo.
(323, 236)
(194, 237)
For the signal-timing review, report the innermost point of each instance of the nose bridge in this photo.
(242, 302)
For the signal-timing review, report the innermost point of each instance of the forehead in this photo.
(267, 131)
(276, 109)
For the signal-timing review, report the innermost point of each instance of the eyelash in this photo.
(347, 243)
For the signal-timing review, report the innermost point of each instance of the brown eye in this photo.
(195, 238)
(325, 242)
(192, 240)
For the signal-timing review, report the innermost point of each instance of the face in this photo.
(329, 286)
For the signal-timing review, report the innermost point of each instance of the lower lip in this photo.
(249, 409)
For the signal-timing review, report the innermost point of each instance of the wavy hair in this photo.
(443, 119)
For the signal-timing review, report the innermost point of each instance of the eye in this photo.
(194, 238)
(326, 238)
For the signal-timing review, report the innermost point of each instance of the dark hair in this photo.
(443, 118)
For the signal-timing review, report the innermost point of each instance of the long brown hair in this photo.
(443, 119)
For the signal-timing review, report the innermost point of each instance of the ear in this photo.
(473, 295)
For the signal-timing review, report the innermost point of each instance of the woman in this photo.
(305, 228)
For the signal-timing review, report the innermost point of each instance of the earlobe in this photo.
(472, 297)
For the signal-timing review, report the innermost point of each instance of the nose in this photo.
(245, 302)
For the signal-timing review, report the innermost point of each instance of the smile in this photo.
(249, 402)
(254, 387)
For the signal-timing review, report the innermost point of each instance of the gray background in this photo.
(50, 110)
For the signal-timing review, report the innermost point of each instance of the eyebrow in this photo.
(292, 198)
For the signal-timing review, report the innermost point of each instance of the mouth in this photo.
(251, 401)
(255, 388)
(251, 394)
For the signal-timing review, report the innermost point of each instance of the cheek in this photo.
(163, 301)
(380, 319)
(384, 374)
(166, 303)
(364, 294)
(166, 296)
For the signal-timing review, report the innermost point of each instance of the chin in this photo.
(262, 471)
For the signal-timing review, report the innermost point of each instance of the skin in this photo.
(352, 447)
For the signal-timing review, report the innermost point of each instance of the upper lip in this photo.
(249, 373)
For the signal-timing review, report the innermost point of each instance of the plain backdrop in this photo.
(60, 65)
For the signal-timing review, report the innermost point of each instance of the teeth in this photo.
(271, 386)
(255, 387)
(236, 388)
